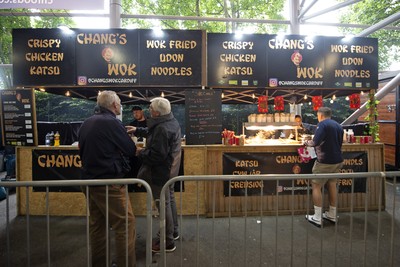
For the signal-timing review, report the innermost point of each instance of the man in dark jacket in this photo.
(161, 160)
(327, 141)
(103, 142)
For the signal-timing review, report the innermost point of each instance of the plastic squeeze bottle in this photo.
(57, 139)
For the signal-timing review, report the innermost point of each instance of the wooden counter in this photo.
(197, 196)
(209, 160)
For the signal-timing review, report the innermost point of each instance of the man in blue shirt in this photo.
(327, 142)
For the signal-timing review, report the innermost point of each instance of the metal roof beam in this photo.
(306, 9)
(380, 25)
(332, 8)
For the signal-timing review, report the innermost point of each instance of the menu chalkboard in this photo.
(170, 57)
(203, 117)
(18, 117)
(43, 57)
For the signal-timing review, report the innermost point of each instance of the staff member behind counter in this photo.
(305, 128)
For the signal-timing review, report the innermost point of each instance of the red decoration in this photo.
(355, 101)
(278, 102)
(263, 104)
(317, 102)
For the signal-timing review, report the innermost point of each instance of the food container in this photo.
(259, 117)
(292, 117)
(252, 117)
(277, 117)
(270, 118)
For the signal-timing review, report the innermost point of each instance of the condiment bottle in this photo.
(345, 136)
(57, 139)
(51, 137)
(47, 140)
(350, 136)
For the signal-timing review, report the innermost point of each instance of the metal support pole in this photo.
(294, 17)
(115, 13)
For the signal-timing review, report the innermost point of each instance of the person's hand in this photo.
(305, 143)
(138, 149)
(130, 129)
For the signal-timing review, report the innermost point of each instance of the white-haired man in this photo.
(160, 161)
(103, 141)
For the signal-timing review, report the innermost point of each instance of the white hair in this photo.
(161, 105)
(106, 99)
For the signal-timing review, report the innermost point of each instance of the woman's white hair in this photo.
(106, 99)
(161, 105)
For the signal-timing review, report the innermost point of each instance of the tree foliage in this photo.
(237, 9)
(371, 12)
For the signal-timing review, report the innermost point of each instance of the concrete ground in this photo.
(358, 239)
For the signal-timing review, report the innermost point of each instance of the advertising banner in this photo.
(43, 57)
(170, 57)
(107, 57)
(53, 4)
(58, 165)
(284, 163)
(295, 61)
(234, 61)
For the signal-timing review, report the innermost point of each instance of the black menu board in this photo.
(43, 57)
(295, 61)
(18, 117)
(351, 62)
(236, 60)
(107, 57)
(171, 57)
(203, 117)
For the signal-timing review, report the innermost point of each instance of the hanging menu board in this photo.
(43, 57)
(351, 62)
(18, 117)
(107, 57)
(170, 57)
(234, 61)
(203, 117)
(295, 61)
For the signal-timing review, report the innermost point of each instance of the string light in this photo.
(222, 95)
(130, 94)
(67, 93)
(334, 97)
(362, 93)
(162, 94)
(253, 96)
(347, 98)
(305, 96)
(331, 101)
(42, 90)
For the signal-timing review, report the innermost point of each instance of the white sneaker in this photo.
(312, 219)
(328, 217)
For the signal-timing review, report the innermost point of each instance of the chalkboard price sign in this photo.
(203, 117)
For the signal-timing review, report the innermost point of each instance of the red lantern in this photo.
(263, 104)
(317, 102)
(355, 101)
(278, 102)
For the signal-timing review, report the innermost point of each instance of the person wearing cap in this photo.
(139, 118)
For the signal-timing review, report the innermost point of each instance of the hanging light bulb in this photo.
(67, 93)
(253, 96)
(222, 95)
(42, 90)
(305, 96)
(331, 101)
(99, 93)
(362, 93)
(162, 94)
(130, 94)
(347, 98)
(334, 97)
(309, 103)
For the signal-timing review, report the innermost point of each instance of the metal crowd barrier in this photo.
(352, 244)
(80, 183)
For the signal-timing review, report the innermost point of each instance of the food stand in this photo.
(258, 62)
